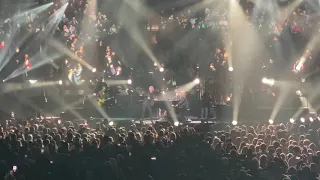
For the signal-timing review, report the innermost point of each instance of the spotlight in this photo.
(270, 121)
(310, 119)
(60, 82)
(298, 93)
(234, 122)
(230, 69)
(155, 64)
(264, 80)
(176, 123)
(197, 81)
(291, 120)
(271, 83)
(228, 99)
(267, 81)
(161, 69)
(129, 81)
(111, 123)
(94, 70)
(32, 81)
(302, 120)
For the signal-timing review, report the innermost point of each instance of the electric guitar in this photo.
(103, 96)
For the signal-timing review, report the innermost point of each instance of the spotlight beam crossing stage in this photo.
(53, 23)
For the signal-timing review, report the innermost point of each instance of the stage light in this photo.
(111, 123)
(60, 82)
(32, 81)
(234, 122)
(302, 120)
(298, 93)
(264, 80)
(161, 69)
(197, 81)
(230, 69)
(129, 81)
(267, 81)
(94, 70)
(176, 123)
(310, 119)
(271, 83)
(155, 64)
(291, 120)
(228, 99)
(271, 121)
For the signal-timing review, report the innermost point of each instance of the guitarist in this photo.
(102, 95)
(148, 102)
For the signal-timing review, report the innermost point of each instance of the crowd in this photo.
(50, 149)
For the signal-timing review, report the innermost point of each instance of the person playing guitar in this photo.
(102, 95)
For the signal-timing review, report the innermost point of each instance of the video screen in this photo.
(75, 73)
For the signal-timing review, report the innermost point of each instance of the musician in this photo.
(148, 102)
(102, 95)
(206, 101)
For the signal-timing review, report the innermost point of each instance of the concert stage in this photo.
(223, 113)
(25, 103)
